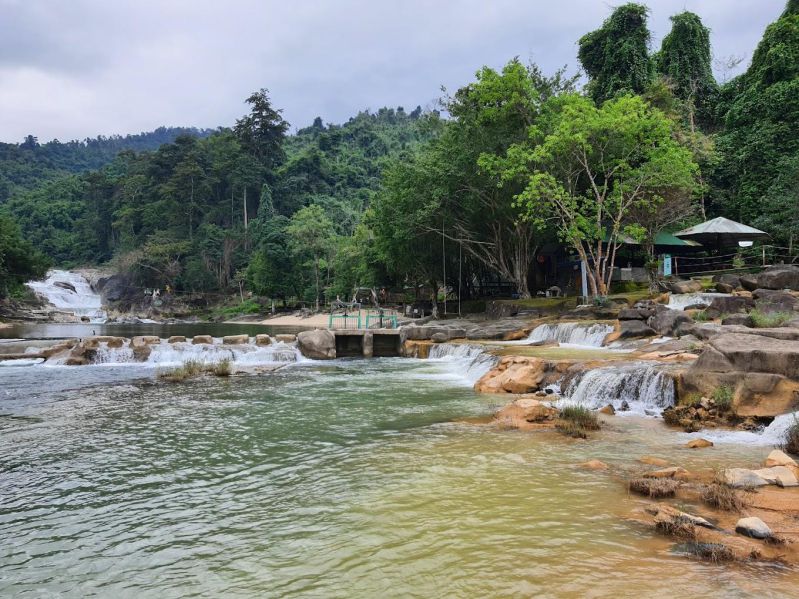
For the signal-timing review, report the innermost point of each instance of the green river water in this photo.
(339, 479)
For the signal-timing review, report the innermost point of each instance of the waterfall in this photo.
(70, 292)
(772, 435)
(641, 385)
(471, 361)
(572, 333)
(168, 354)
(680, 301)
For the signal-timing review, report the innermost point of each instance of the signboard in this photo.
(666, 265)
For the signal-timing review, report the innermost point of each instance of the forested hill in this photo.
(27, 164)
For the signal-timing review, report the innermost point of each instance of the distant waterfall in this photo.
(70, 292)
(473, 360)
(573, 333)
(642, 386)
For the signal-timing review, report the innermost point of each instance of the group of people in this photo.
(156, 293)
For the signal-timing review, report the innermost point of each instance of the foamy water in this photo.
(83, 302)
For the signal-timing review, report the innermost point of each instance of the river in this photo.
(349, 478)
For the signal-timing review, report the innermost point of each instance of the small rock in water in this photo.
(625, 407)
(699, 443)
(753, 527)
(594, 465)
(672, 472)
(608, 409)
(653, 461)
(650, 412)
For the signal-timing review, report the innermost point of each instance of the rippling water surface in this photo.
(343, 479)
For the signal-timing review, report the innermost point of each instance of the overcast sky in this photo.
(78, 68)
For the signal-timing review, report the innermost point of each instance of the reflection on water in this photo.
(54, 330)
(341, 479)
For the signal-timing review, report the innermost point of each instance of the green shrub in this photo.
(580, 416)
(767, 320)
(222, 368)
(701, 316)
(723, 396)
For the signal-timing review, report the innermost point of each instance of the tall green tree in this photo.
(761, 118)
(590, 167)
(685, 60)
(19, 260)
(616, 56)
(312, 236)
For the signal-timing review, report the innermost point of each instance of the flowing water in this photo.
(645, 387)
(572, 333)
(348, 478)
(680, 301)
(71, 292)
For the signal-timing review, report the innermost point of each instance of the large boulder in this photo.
(773, 300)
(732, 304)
(524, 412)
(202, 340)
(742, 320)
(633, 329)
(668, 322)
(641, 313)
(518, 374)
(235, 339)
(753, 527)
(689, 286)
(317, 345)
(263, 339)
(117, 288)
(728, 279)
(779, 277)
(749, 282)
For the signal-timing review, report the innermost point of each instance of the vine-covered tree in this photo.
(761, 120)
(685, 60)
(616, 56)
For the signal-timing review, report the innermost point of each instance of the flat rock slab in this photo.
(742, 478)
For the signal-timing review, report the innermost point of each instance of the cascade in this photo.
(166, 354)
(680, 301)
(70, 292)
(641, 385)
(472, 360)
(772, 435)
(573, 333)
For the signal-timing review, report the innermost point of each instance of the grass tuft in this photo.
(653, 487)
(194, 368)
(222, 368)
(723, 497)
(713, 552)
(581, 416)
(767, 320)
(723, 397)
(677, 527)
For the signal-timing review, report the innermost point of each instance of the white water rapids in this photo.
(470, 361)
(643, 386)
(680, 301)
(70, 292)
(572, 333)
(174, 354)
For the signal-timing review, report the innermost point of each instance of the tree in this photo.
(261, 133)
(272, 271)
(312, 237)
(761, 117)
(589, 167)
(19, 260)
(616, 56)
(685, 59)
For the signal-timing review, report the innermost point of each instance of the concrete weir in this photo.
(377, 343)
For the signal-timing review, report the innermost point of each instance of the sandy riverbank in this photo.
(318, 321)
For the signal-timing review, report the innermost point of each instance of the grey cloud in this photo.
(87, 67)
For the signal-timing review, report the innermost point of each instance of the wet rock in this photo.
(143, 340)
(202, 340)
(319, 344)
(670, 472)
(689, 286)
(594, 465)
(176, 339)
(653, 461)
(285, 338)
(518, 374)
(263, 339)
(724, 288)
(439, 337)
(699, 443)
(609, 410)
(525, 414)
(65, 285)
(515, 335)
(742, 478)
(730, 279)
(637, 313)
(779, 277)
(779, 458)
(235, 340)
(625, 407)
(753, 527)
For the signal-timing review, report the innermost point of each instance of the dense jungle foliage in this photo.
(516, 159)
